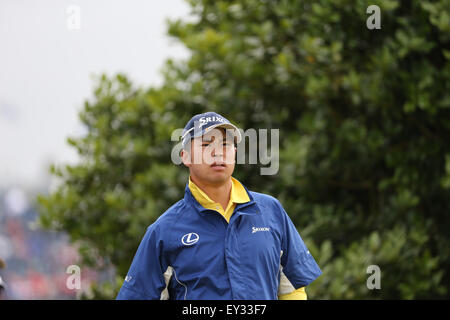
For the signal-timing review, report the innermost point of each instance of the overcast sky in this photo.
(49, 49)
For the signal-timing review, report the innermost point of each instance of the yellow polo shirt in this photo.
(238, 194)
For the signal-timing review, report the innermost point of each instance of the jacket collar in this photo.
(247, 208)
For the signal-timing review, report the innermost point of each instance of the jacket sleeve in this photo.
(297, 262)
(145, 278)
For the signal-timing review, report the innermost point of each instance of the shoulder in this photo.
(265, 199)
(166, 220)
(268, 204)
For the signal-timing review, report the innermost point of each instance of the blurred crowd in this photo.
(34, 262)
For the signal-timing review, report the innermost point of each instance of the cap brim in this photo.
(227, 126)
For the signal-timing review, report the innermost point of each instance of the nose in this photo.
(217, 150)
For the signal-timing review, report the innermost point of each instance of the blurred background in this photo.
(91, 91)
(50, 52)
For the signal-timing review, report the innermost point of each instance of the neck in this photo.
(216, 192)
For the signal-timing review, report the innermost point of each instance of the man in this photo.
(221, 241)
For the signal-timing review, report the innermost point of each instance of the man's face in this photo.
(212, 157)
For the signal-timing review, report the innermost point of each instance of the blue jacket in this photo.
(192, 253)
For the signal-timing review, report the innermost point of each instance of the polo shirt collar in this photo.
(242, 199)
(238, 193)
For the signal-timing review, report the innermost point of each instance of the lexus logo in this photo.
(190, 238)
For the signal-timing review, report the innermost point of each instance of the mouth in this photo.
(218, 165)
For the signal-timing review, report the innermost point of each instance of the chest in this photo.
(247, 241)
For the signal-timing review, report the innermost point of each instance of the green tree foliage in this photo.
(364, 119)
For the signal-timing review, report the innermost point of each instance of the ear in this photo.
(185, 158)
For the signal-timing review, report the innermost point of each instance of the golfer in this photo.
(221, 241)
